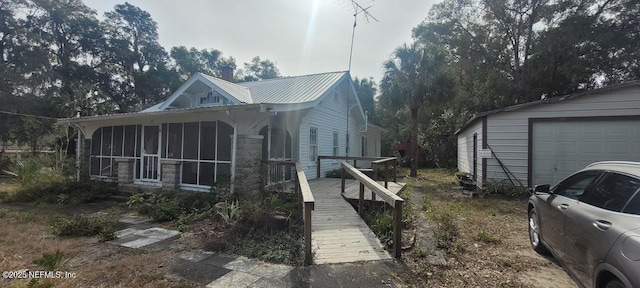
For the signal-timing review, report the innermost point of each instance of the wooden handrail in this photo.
(392, 199)
(308, 203)
(354, 158)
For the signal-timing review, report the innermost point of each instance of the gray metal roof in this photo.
(237, 91)
(292, 90)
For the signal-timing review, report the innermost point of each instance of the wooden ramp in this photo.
(338, 234)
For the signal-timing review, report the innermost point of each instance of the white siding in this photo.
(465, 150)
(329, 116)
(507, 132)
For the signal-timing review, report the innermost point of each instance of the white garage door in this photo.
(560, 148)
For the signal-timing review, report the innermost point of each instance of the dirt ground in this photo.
(492, 246)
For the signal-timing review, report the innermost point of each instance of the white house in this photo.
(210, 129)
(544, 141)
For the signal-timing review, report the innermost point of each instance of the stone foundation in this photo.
(247, 174)
(125, 171)
(170, 174)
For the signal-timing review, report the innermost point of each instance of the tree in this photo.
(136, 73)
(72, 36)
(414, 76)
(260, 69)
(366, 90)
(191, 61)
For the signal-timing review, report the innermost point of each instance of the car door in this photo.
(560, 200)
(593, 226)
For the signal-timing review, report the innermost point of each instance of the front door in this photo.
(150, 168)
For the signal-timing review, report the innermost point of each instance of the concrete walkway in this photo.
(217, 270)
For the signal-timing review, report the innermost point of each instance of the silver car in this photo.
(590, 221)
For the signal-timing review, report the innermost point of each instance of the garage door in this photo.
(559, 148)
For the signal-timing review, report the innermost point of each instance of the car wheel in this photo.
(615, 283)
(534, 234)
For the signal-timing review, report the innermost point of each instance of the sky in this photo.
(300, 36)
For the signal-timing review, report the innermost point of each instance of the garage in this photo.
(560, 147)
(542, 142)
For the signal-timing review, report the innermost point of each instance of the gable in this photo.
(201, 90)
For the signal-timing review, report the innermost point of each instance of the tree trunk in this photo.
(414, 142)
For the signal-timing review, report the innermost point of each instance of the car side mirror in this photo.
(542, 188)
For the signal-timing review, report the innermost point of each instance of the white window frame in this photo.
(313, 145)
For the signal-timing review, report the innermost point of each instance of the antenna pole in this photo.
(353, 34)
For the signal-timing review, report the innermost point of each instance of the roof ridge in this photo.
(292, 77)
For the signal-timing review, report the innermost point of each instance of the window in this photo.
(211, 98)
(634, 205)
(364, 147)
(575, 186)
(335, 144)
(613, 192)
(313, 144)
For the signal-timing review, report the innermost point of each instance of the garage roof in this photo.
(547, 101)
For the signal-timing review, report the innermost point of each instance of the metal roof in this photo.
(237, 91)
(547, 101)
(292, 90)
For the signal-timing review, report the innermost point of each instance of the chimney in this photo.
(227, 73)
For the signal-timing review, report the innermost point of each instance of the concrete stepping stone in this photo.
(234, 279)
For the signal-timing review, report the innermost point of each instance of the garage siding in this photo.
(507, 132)
(465, 150)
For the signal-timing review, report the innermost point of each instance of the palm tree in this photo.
(414, 75)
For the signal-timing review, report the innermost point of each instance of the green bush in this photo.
(502, 188)
(49, 261)
(80, 225)
(66, 193)
(337, 173)
(170, 205)
(24, 172)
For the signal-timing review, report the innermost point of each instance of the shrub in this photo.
(502, 188)
(80, 225)
(24, 172)
(64, 192)
(170, 205)
(337, 173)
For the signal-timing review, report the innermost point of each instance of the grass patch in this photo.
(485, 237)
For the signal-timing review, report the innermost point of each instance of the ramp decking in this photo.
(339, 235)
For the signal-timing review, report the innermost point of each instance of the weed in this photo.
(49, 261)
(446, 231)
(230, 212)
(3, 212)
(485, 237)
(170, 205)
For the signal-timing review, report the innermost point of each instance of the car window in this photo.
(613, 192)
(633, 207)
(575, 186)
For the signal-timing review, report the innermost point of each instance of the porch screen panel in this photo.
(164, 141)
(190, 172)
(138, 141)
(106, 141)
(207, 172)
(191, 140)
(129, 140)
(118, 140)
(223, 172)
(207, 141)
(96, 142)
(224, 141)
(174, 141)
